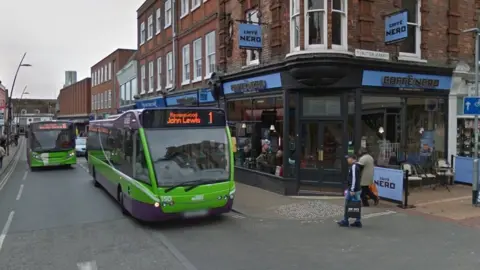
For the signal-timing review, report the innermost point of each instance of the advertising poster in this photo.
(389, 183)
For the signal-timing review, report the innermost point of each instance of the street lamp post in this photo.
(10, 96)
(24, 92)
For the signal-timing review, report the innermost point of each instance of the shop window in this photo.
(321, 106)
(257, 126)
(411, 46)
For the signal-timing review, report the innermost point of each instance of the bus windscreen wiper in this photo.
(193, 184)
(187, 183)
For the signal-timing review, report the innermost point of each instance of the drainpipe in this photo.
(174, 45)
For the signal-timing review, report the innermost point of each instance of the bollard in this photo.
(405, 204)
(475, 183)
(451, 161)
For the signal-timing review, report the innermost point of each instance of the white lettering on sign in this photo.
(372, 54)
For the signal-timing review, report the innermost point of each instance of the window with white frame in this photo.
(315, 24)
(98, 77)
(195, 4)
(411, 46)
(92, 97)
(253, 56)
(339, 24)
(142, 33)
(168, 13)
(151, 76)
(101, 75)
(101, 101)
(122, 95)
(210, 61)
(197, 60)
(109, 99)
(142, 82)
(159, 73)
(110, 71)
(186, 64)
(158, 21)
(294, 25)
(169, 70)
(184, 7)
(150, 27)
(93, 79)
(106, 72)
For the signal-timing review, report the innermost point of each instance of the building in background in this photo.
(182, 64)
(70, 78)
(26, 111)
(3, 98)
(105, 89)
(127, 79)
(75, 103)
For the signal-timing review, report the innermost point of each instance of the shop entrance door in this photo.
(322, 156)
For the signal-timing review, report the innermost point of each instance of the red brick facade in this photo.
(75, 99)
(154, 48)
(442, 41)
(105, 93)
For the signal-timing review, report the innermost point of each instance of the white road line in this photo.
(4, 181)
(378, 214)
(177, 254)
(25, 176)
(5, 229)
(91, 265)
(236, 216)
(444, 200)
(20, 192)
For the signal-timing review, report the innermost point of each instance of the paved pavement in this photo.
(56, 219)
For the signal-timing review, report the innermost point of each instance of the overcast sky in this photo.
(60, 35)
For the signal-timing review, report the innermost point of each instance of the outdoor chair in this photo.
(422, 172)
(412, 174)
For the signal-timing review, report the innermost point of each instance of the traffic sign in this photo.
(471, 105)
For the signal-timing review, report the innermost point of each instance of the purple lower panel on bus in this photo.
(148, 212)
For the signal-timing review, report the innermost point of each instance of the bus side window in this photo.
(140, 162)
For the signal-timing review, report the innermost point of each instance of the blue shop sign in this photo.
(396, 27)
(249, 36)
(205, 96)
(183, 100)
(406, 80)
(151, 103)
(253, 85)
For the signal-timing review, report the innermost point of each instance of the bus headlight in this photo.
(232, 194)
(71, 154)
(35, 156)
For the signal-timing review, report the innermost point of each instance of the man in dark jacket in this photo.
(354, 190)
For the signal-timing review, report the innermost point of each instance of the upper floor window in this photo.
(110, 71)
(210, 60)
(109, 99)
(158, 21)
(184, 7)
(168, 13)
(295, 25)
(411, 46)
(92, 100)
(101, 75)
(186, 64)
(169, 70)
(106, 73)
(253, 56)
(316, 24)
(339, 24)
(142, 33)
(197, 60)
(159, 73)
(150, 27)
(143, 78)
(150, 76)
(195, 4)
(93, 79)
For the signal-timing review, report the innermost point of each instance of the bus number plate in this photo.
(194, 214)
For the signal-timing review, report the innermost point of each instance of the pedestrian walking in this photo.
(2, 155)
(354, 190)
(368, 164)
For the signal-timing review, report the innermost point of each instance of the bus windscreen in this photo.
(183, 118)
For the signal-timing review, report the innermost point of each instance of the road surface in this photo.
(56, 219)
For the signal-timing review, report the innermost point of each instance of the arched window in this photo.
(23, 111)
(37, 111)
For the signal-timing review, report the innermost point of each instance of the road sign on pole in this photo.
(471, 105)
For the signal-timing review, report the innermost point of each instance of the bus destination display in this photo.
(190, 118)
(52, 126)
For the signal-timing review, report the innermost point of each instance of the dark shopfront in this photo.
(392, 109)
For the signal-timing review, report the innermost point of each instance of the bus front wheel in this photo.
(95, 182)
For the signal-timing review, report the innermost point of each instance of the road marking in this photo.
(237, 216)
(20, 192)
(378, 214)
(25, 176)
(318, 197)
(91, 265)
(177, 254)
(5, 229)
(444, 200)
(4, 181)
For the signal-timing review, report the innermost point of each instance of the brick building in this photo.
(74, 102)
(105, 89)
(26, 111)
(325, 83)
(3, 96)
(177, 46)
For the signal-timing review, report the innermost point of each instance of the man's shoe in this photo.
(377, 200)
(343, 223)
(357, 224)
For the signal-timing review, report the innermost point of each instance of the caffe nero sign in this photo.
(249, 86)
(187, 100)
(409, 82)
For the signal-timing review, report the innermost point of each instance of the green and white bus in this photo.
(164, 163)
(50, 143)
